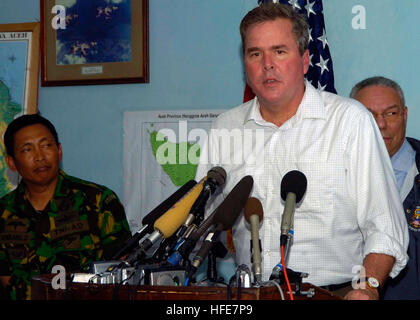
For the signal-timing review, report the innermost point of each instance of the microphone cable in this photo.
(285, 273)
(277, 285)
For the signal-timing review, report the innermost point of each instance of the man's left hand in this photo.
(362, 294)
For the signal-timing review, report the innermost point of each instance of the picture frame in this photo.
(19, 83)
(21, 41)
(94, 42)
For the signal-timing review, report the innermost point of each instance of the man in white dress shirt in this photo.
(385, 100)
(351, 215)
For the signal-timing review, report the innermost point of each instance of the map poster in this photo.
(19, 67)
(161, 152)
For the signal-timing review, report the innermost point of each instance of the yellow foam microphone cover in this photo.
(169, 222)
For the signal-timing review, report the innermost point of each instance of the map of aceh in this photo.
(161, 153)
(8, 110)
(179, 173)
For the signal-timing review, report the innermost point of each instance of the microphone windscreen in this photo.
(253, 206)
(218, 174)
(231, 207)
(168, 203)
(295, 182)
(175, 216)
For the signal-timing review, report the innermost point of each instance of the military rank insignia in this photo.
(414, 223)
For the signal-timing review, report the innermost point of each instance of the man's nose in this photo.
(39, 154)
(268, 62)
(380, 120)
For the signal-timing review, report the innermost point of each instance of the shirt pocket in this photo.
(318, 199)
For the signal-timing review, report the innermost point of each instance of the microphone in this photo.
(216, 178)
(224, 219)
(187, 243)
(152, 216)
(169, 222)
(293, 187)
(253, 213)
(236, 197)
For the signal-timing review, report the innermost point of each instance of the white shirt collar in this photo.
(404, 158)
(311, 107)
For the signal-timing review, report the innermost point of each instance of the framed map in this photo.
(19, 71)
(161, 152)
(94, 42)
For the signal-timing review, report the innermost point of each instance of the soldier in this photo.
(51, 218)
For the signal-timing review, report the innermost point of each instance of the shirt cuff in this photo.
(384, 244)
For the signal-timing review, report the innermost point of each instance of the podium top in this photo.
(42, 290)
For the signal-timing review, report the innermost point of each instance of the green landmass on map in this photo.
(178, 171)
(8, 110)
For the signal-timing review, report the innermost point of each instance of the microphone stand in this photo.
(278, 272)
(218, 250)
(211, 267)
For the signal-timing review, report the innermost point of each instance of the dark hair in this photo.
(273, 11)
(22, 122)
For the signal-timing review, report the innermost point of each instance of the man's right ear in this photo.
(11, 163)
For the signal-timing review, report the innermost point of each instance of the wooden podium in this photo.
(42, 290)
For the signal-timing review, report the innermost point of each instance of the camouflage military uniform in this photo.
(84, 222)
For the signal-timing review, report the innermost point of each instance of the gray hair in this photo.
(378, 81)
(273, 11)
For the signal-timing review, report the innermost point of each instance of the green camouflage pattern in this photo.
(83, 223)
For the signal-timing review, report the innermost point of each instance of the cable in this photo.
(229, 292)
(138, 284)
(119, 284)
(239, 292)
(278, 287)
(285, 273)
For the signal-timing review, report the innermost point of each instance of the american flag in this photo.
(320, 72)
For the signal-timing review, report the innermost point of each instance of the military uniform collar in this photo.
(62, 188)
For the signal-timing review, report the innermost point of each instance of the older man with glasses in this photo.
(385, 100)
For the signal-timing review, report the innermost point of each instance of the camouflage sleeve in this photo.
(113, 224)
(4, 263)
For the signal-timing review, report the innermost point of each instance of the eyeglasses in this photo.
(389, 116)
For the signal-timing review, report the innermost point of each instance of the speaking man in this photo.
(351, 215)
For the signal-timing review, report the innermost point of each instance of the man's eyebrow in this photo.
(279, 46)
(252, 49)
(27, 143)
(275, 47)
(24, 145)
(392, 107)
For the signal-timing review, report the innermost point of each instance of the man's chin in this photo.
(42, 180)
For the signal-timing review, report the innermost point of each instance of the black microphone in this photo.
(168, 223)
(253, 214)
(293, 188)
(238, 195)
(152, 216)
(224, 219)
(216, 178)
